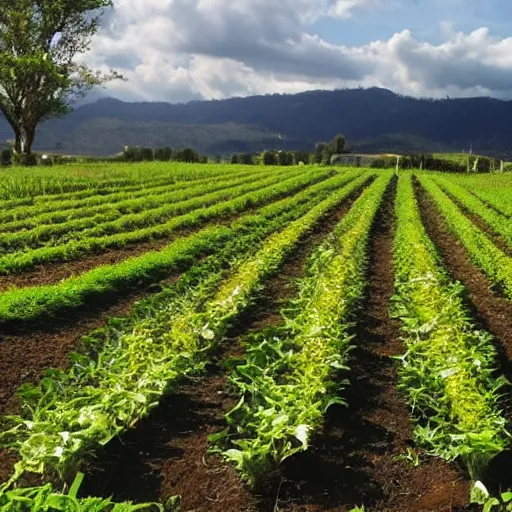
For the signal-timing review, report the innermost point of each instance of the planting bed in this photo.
(230, 338)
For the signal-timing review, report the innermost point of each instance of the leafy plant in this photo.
(123, 371)
(447, 371)
(481, 496)
(286, 381)
(44, 499)
(493, 261)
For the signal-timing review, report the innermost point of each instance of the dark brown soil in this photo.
(353, 461)
(166, 454)
(490, 311)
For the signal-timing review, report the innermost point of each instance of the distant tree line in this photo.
(322, 154)
(272, 158)
(167, 154)
(130, 154)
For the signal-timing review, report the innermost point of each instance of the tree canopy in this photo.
(39, 76)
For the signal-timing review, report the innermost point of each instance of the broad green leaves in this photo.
(447, 372)
(287, 381)
(124, 370)
(45, 499)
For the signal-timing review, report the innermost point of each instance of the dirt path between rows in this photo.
(353, 461)
(166, 454)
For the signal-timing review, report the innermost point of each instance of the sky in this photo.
(183, 50)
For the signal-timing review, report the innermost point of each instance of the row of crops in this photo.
(224, 237)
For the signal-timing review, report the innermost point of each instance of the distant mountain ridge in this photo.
(373, 120)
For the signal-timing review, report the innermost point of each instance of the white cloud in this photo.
(346, 8)
(176, 50)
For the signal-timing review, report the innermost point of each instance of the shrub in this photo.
(5, 157)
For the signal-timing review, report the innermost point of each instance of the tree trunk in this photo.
(17, 142)
(23, 146)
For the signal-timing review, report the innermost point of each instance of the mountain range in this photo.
(373, 120)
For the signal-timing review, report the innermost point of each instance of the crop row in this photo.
(149, 210)
(125, 369)
(497, 199)
(482, 251)
(287, 380)
(447, 371)
(48, 301)
(45, 499)
(27, 188)
(78, 195)
(34, 185)
(55, 211)
(121, 201)
(493, 189)
(20, 261)
(499, 223)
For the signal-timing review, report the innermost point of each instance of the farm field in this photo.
(244, 338)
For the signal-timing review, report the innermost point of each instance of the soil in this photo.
(490, 311)
(170, 447)
(354, 460)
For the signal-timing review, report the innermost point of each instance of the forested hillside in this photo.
(372, 119)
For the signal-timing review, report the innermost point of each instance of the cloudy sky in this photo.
(181, 50)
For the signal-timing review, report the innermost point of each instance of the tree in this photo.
(163, 154)
(39, 78)
(339, 144)
(147, 154)
(285, 158)
(327, 153)
(301, 156)
(319, 151)
(269, 158)
(187, 155)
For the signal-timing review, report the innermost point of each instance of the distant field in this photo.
(254, 338)
(454, 157)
